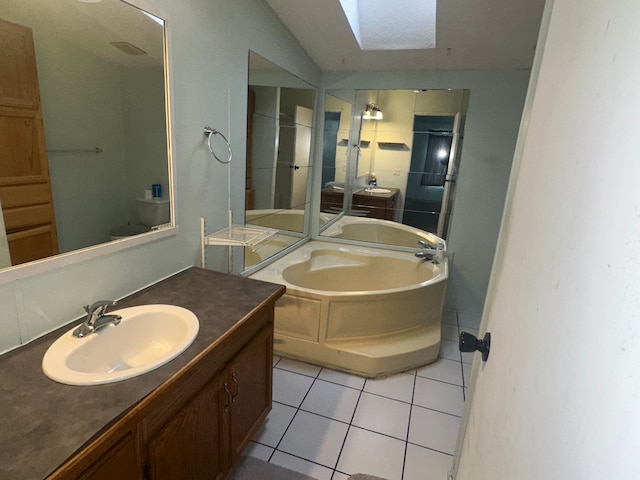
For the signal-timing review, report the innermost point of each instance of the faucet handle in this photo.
(100, 306)
(424, 244)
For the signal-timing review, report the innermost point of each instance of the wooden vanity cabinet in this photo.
(121, 461)
(363, 203)
(205, 436)
(189, 445)
(197, 426)
(250, 378)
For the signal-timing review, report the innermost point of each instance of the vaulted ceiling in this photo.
(470, 34)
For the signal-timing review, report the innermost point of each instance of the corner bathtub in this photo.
(365, 310)
(376, 230)
(291, 220)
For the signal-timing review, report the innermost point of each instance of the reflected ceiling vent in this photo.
(128, 48)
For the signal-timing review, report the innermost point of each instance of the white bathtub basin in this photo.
(365, 310)
(380, 231)
(148, 337)
(330, 269)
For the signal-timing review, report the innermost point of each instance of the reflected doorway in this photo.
(427, 178)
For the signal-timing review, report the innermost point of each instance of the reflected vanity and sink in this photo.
(377, 190)
(146, 338)
(373, 202)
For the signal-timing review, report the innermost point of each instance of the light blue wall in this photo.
(493, 119)
(88, 190)
(144, 132)
(209, 42)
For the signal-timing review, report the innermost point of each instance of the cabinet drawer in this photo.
(22, 217)
(32, 244)
(13, 196)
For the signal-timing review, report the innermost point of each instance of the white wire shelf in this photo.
(241, 236)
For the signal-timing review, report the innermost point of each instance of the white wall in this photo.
(209, 42)
(558, 397)
(495, 108)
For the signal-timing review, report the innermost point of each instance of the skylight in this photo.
(392, 25)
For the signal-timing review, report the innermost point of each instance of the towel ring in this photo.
(209, 132)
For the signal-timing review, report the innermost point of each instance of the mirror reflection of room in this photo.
(402, 156)
(279, 138)
(97, 143)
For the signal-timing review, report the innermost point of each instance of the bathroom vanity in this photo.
(373, 205)
(190, 418)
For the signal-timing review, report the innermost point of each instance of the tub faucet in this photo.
(427, 252)
(96, 318)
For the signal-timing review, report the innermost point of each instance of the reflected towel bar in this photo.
(96, 150)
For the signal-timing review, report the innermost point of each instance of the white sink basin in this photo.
(147, 337)
(378, 190)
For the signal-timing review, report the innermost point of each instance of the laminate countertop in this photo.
(43, 423)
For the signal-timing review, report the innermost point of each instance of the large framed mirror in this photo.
(403, 151)
(280, 132)
(84, 156)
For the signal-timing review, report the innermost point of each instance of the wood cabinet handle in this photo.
(235, 380)
(229, 396)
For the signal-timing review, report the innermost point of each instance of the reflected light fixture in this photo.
(372, 112)
(443, 153)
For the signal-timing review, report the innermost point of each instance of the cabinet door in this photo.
(121, 462)
(250, 383)
(25, 187)
(188, 446)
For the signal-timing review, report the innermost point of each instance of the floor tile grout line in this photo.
(344, 440)
(297, 373)
(305, 459)
(442, 381)
(339, 384)
(430, 448)
(406, 442)
(294, 416)
(437, 411)
(464, 394)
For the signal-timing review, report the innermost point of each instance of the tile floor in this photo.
(329, 424)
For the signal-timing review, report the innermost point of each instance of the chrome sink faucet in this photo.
(96, 318)
(427, 252)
